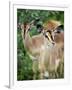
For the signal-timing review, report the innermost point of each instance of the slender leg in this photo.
(35, 63)
(41, 64)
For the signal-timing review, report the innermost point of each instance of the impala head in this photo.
(48, 35)
(25, 28)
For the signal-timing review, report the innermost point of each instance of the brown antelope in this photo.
(37, 46)
(57, 52)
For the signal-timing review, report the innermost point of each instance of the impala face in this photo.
(48, 35)
(25, 28)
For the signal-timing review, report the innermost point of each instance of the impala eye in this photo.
(57, 31)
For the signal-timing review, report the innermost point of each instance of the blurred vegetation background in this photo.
(24, 63)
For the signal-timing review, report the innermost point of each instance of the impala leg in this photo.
(34, 67)
(42, 64)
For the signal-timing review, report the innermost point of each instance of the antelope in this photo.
(37, 46)
(57, 53)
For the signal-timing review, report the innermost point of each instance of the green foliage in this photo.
(24, 63)
(27, 15)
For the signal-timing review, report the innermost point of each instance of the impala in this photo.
(37, 46)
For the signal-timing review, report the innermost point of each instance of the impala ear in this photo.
(61, 27)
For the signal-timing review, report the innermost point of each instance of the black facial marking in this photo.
(49, 31)
(24, 28)
(50, 34)
(46, 36)
(52, 38)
